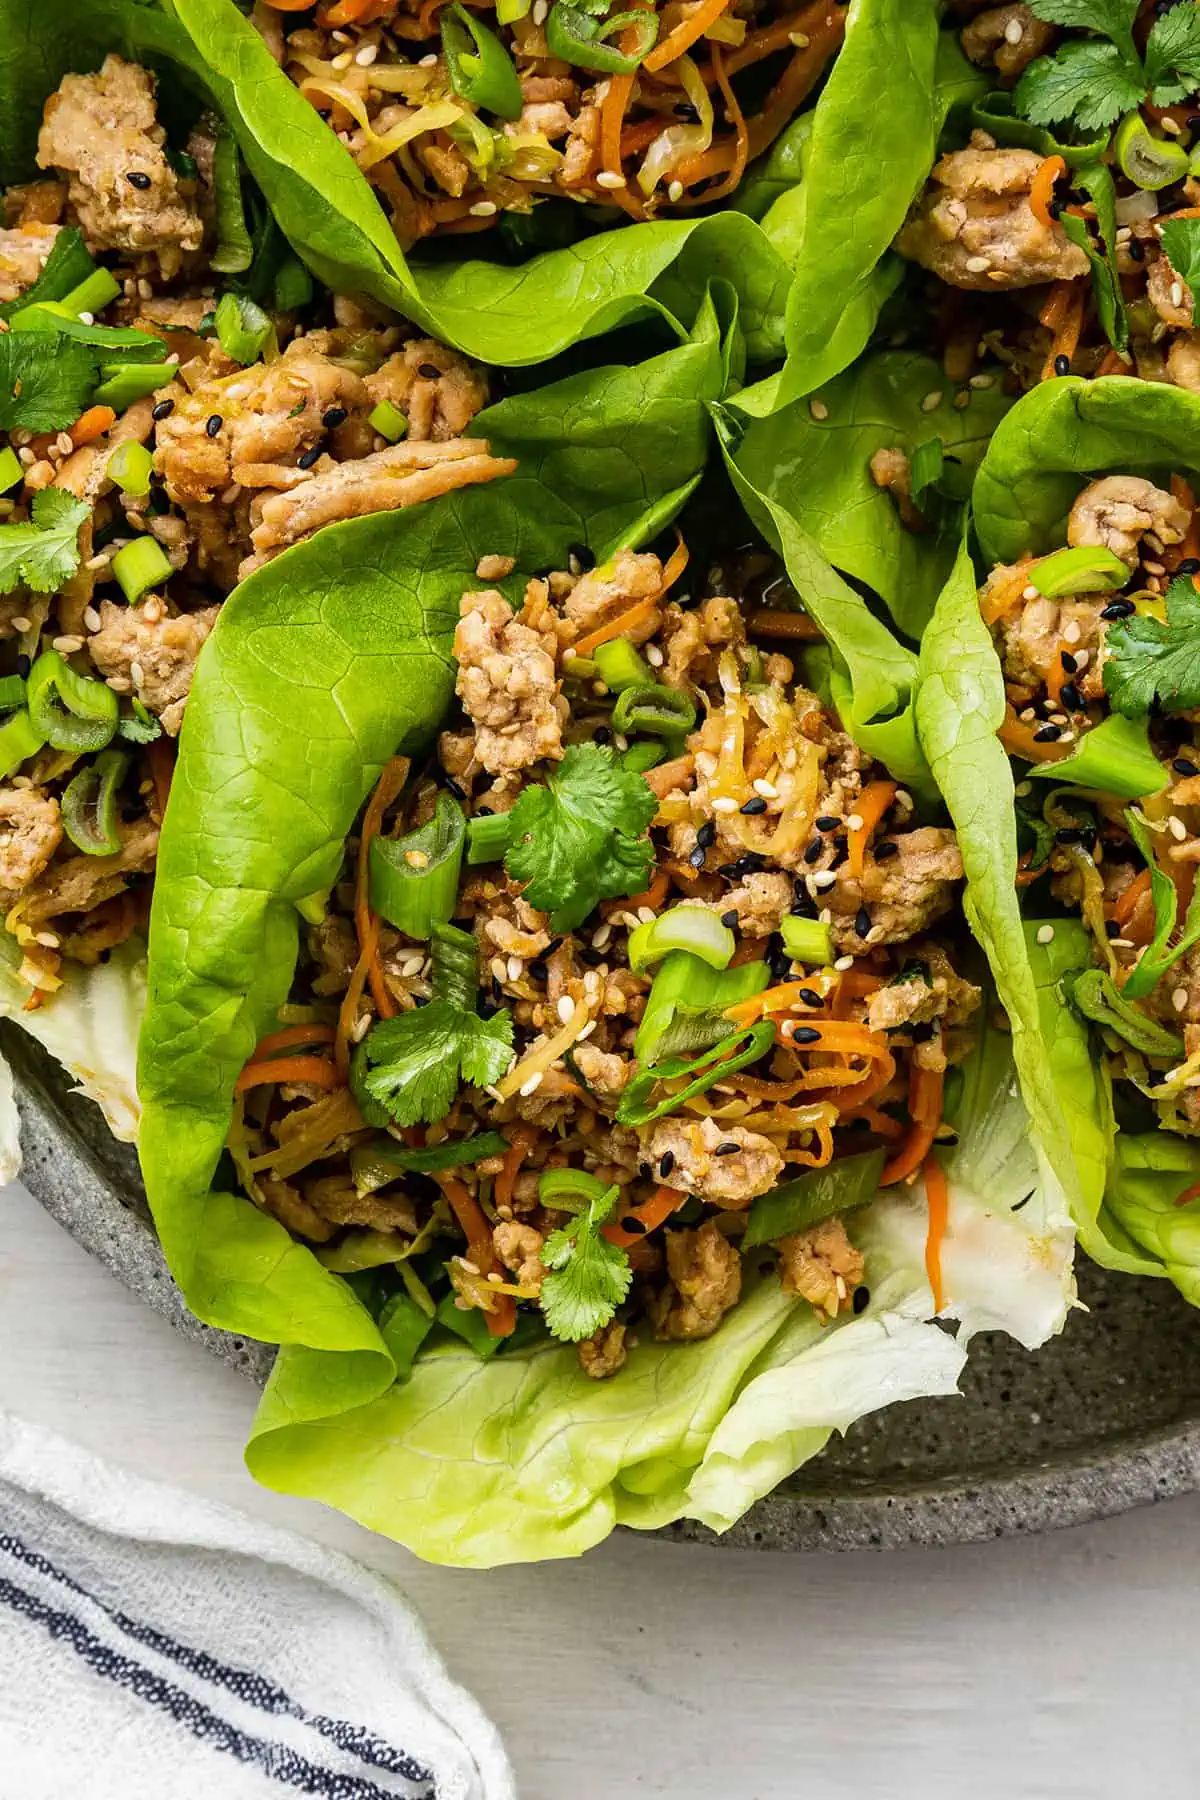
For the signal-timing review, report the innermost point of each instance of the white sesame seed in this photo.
(600, 91)
(20, 624)
(540, 9)
(484, 209)
(825, 916)
(675, 192)
(532, 1085)
(599, 688)
(1171, 126)
(1045, 934)
(1082, 659)
(1179, 999)
(1177, 828)
(499, 968)
(1014, 31)
(724, 805)
(609, 178)
(903, 799)
(87, 318)
(799, 40)
(64, 443)
(620, 741)
(342, 60)
(26, 457)
(566, 1008)
(766, 789)
(412, 965)
(1073, 632)
(366, 56)
(66, 646)
(824, 878)
(977, 264)
(360, 1028)
(932, 400)
(843, 963)
(417, 859)
(136, 674)
(428, 62)
(646, 915)
(587, 1031)
(654, 657)
(1027, 715)
(601, 936)
(1029, 592)
(91, 618)
(982, 381)
(1023, 790)
(819, 410)
(1177, 293)
(516, 968)
(145, 291)
(854, 822)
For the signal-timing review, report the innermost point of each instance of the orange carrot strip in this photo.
(1058, 300)
(780, 106)
(289, 1038)
(925, 1088)
(394, 775)
(671, 47)
(289, 5)
(350, 12)
(92, 424)
(1125, 904)
(1066, 337)
(937, 1198)
(314, 1070)
(348, 1011)
(637, 614)
(870, 807)
(1018, 739)
(502, 1320)
(1188, 1195)
(1114, 364)
(648, 1217)
(613, 108)
(1042, 191)
(741, 131)
(520, 1144)
(653, 897)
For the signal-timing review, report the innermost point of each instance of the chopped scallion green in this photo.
(621, 666)
(487, 838)
(98, 291)
(806, 940)
(126, 382)
(130, 466)
(139, 566)
(19, 740)
(388, 421)
(414, 879)
(691, 928)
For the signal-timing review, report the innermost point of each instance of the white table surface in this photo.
(1061, 1667)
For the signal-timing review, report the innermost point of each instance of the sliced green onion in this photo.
(89, 806)
(738, 1051)
(487, 838)
(11, 471)
(455, 973)
(130, 467)
(98, 291)
(1114, 756)
(686, 1005)
(570, 1190)
(576, 36)
(1161, 953)
(1149, 162)
(126, 382)
(67, 265)
(481, 70)
(388, 421)
(818, 1194)
(509, 11)
(414, 879)
(459, 1153)
(477, 141)
(71, 711)
(580, 668)
(806, 940)
(12, 692)
(621, 666)
(19, 740)
(646, 754)
(234, 252)
(1085, 569)
(654, 710)
(691, 928)
(1098, 998)
(139, 566)
(244, 330)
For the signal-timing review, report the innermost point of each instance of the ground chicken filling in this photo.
(1090, 669)
(1056, 264)
(697, 952)
(672, 125)
(183, 477)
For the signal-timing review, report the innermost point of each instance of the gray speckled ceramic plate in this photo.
(1105, 1418)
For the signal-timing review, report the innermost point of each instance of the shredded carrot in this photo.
(647, 1217)
(314, 1070)
(653, 897)
(352, 12)
(1188, 1195)
(1054, 311)
(772, 1000)
(289, 5)
(639, 137)
(1114, 364)
(502, 1320)
(1025, 872)
(671, 47)
(1066, 334)
(394, 776)
(1018, 739)
(1000, 598)
(626, 621)
(520, 1144)
(937, 1198)
(775, 622)
(613, 108)
(289, 1038)
(674, 566)
(1042, 191)
(925, 1087)
(161, 757)
(92, 424)
(348, 1012)
(881, 1123)
(818, 20)
(870, 807)
(741, 131)
(1126, 903)
(779, 108)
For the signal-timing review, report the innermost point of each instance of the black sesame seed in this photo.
(24, 664)
(309, 458)
(451, 786)
(730, 918)
(1136, 252)
(706, 836)
(538, 970)
(1070, 696)
(805, 1034)
(728, 1148)
(814, 851)
(696, 857)
(601, 735)
(634, 1226)
(862, 921)
(1068, 834)
(1054, 208)
(333, 418)
(1189, 566)
(921, 1034)
(1118, 609)
(1068, 661)
(645, 1171)
(429, 372)
(136, 178)
(886, 849)
(1062, 365)
(809, 996)
(666, 1163)
(757, 805)
(827, 822)
(803, 907)
(1183, 765)
(215, 422)
(861, 1299)
(163, 410)
(1047, 735)
(483, 812)
(1112, 928)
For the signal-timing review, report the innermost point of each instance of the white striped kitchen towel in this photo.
(157, 1646)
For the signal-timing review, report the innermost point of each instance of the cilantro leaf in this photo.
(589, 1277)
(1111, 18)
(582, 837)
(44, 553)
(1181, 246)
(1151, 661)
(1173, 55)
(1089, 82)
(418, 1060)
(45, 381)
(69, 263)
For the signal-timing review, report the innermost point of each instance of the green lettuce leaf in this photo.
(1147, 1175)
(1061, 434)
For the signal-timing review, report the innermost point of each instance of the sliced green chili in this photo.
(71, 711)
(19, 740)
(577, 36)
(414, 879)
(685, 1009)
(1149, 162)
(1084, 569)
(89, 806)
(93, 294)
(653, 710)
(798, 1205)
(1099, 999)
(126, 382)
(481, 70)
(646, 754)
(12, 692)
(571, 1190)
(691, 928)
(139, 566)
(806, 940)
(388, 421)
(487, 838)
(714, 1065)
(621, 666)
(244, 330)
(234, 252)
(995, 115)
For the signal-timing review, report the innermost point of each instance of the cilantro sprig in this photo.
(411, 1066)
(45, 552)
(46, 381)
(1151, 661)
(1092, 81)
(582, 838)
(589, 1277)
